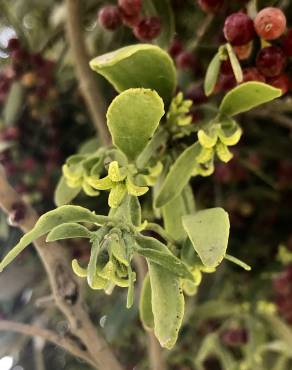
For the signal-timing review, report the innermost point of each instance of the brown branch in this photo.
(85, 76)
(47, 335)
(64, 285)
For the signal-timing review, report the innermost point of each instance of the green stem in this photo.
(159, 230)
(237, 262)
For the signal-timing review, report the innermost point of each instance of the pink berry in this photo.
(234, 337)
(280, 82)
(226, 67)
(109, 17)
(196, 94)
(130, 7)
(210, 6)
(238, 29)
(287, 43)
(148, 28)
(271, 61)
(252, 74)
(270, 23)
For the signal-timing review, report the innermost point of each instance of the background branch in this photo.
(65, 287)
(85, 76)
(48, 335)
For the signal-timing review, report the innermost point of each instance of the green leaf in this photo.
(64, 193)
(130, 295)
(132, 118)
(212, 74)
(162, 9)
(14, 103)
(178, 176)
(47, 222)
(145, 305)
(167, 304)
(236, 67)
(141, 65)
(247, 96)
(67, 231)
(167, 261)
(208, 231)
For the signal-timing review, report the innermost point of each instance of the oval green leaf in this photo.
(132, 118)
(247, 96)
(178, 176)
(141, 65)
(167, 304)
(208, 231)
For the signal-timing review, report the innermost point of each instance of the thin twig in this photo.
(47, 335)
(65, 287)
(85, 76)
(204, 26)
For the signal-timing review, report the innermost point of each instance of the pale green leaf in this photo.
(236, 67)
(14, 103)
(47, 222)
(167, 304)
(178, 176)
(132, 118)
(208, 231)
(64, 194)
(212, 74)
(141, 65)
(145, 305)
(247, 96)
(67, 231)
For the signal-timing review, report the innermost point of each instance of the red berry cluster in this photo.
(30, 148)
(282, 285)
(234, 337)
(128, 12)
(271, 61)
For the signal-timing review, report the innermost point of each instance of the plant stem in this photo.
(85, 76)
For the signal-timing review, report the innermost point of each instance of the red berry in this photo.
(271, 61)
(186, 60)
(130, 7)
(238, 29)
(175, 47)
(13, 44)
(148, 28)
(234, 337)
(130, 20)
(270, 23)
(196, 94)
(210, 6)
(226, 67)
(252, 74)
(225, 83)
(109, 17)
(280, 82)
(287, 43)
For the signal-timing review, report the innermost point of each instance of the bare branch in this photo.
(48, 335)
(85, 76)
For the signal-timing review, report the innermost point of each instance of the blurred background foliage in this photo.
(238, 320)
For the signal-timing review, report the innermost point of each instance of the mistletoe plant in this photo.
(147, 122)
